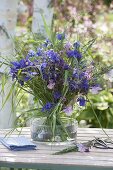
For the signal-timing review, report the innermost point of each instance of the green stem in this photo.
(69, 149)
(98, 119)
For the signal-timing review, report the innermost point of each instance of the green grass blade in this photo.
(9, 94)
(46, 26)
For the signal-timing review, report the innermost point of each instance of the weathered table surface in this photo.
(43, 159)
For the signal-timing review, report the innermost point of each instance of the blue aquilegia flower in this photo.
(21, 70)
(70, 53)
(73, 86)
(53, 56)
(31, 53)
(66, 66)
(74, 54)
(46, 43)
(84, 85)
(47, 107)
(81, 100)
(43, 70)
(23, 63)
(77, 54)
(57, 95)
(39, 52)
(76, 45)
(60, 36)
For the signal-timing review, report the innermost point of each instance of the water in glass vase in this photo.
(66, 134)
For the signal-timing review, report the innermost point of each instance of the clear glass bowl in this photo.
(43, 133)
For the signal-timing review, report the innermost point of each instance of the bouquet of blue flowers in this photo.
(59, 74)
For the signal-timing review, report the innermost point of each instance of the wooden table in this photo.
(42, 158)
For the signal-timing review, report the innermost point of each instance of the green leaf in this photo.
(102, 106)
(87, 114)
(65, 87)
(67, 150)
(3, 82)
(9, 94)
(86, 47)
(54, 124)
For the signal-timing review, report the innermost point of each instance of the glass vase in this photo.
(41, 132)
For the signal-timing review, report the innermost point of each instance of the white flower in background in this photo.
(109, 75)
(51, 85)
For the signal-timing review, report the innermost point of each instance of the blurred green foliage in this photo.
(103, 107)
(108, 2)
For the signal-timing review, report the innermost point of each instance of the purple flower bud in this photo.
(95, 89)
(68, 45)
(68, 110)
(82, 148)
